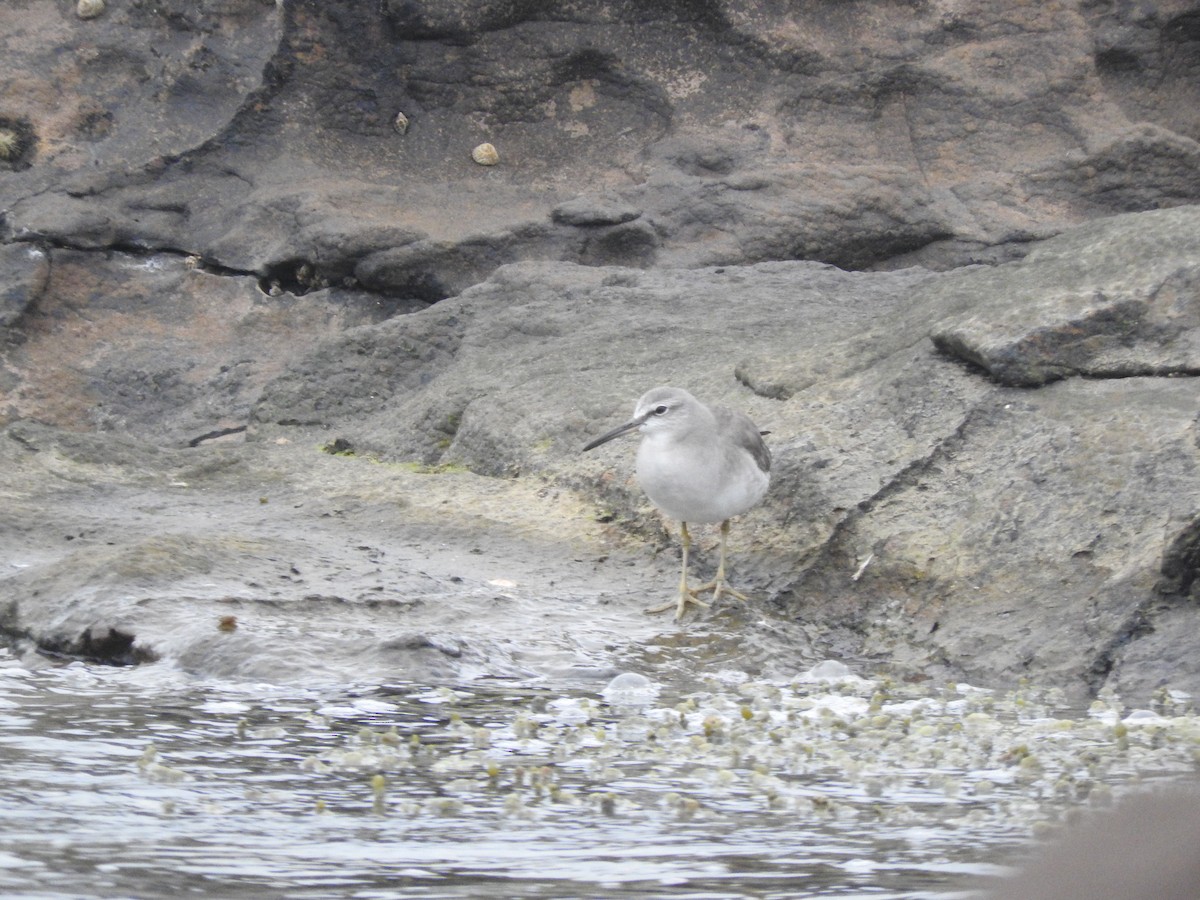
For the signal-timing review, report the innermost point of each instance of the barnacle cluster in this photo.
(827, 746)
(858, 783)
(10, 144)
(17, 139)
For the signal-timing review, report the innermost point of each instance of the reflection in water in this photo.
(141, 782)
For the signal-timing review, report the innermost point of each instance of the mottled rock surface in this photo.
(946, 254)
(262, 137)
(923, 507)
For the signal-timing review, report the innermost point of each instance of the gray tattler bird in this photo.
(697, 464)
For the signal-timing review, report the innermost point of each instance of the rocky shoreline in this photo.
(265, 355)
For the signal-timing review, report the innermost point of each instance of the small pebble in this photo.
(485, 155)
(89, 9)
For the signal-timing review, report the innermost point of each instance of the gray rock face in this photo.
(155, 346)
(1111, 300)
(948, 257)
(261, 137)
(920, 508)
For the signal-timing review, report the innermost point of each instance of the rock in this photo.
(587, 212)
(928, 136)
(203, 346)
(1010, 563)
(432, 270)
(111, 99)
(1076, 307)
(121, 552)
(975, 516)
(89, 9)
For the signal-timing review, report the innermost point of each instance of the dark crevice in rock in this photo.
(950, 347)
(427, 285)
(211, 267)
(1184, 28)
(295, 276)
(878, 250)
(1137, 625)
(1141, 372)
(214, 435)
(1181, 563)
(953, 252)
(1088, 332)
(429, 275)
(1117, 61)
(53, 242)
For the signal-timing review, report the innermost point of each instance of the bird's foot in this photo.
(691, 596)
(718, 587)
(686, 595)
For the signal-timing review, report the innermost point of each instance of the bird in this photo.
(698, 464)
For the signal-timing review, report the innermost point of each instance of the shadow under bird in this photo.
(697, 464)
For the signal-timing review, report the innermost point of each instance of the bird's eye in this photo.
(660, 410)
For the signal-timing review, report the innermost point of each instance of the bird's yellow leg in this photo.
(718, 585)
(686, 594)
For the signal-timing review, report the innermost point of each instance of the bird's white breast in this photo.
(698, 482)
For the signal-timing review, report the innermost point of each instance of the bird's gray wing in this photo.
(746, 434)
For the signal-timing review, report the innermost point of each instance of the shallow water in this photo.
(145, 782)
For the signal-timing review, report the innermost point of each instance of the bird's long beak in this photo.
(617, 432)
